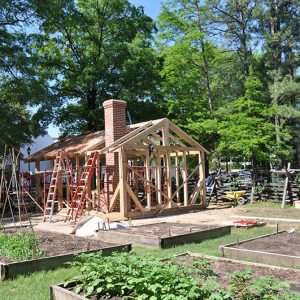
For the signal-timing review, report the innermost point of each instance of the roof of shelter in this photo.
(144, 132)
(71, 145)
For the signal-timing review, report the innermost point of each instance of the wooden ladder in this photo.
(76, 207)
(51, 197)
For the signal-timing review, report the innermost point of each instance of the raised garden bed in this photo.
(164, 235)
(282, 249)
(57, 249)
(208, 268)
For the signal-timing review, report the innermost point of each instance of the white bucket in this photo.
(297, 204)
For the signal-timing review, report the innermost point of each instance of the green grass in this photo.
(36, 286)
(208, 247)
(268, 209)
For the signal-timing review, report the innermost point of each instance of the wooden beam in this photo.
(115, 196)
(122, 175)
(177, 178)
(138, 136)
(151, 184)
(185, 136)
(148, 190)
(196, 191)
(158, 176)
(157, 136)
(176, 140)
(134, 197)
(185, 181)
(202, 176)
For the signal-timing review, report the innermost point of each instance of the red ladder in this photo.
(79, 197)
(51, 197)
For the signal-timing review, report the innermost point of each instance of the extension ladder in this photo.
(79, 197)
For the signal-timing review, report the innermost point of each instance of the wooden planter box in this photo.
(10, 270)
(59, 292)
(263, 257)
(144, 238)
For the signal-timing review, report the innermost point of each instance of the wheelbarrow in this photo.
(236, 196)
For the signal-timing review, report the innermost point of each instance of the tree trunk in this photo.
(91, 107)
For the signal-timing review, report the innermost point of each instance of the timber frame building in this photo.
(140, 169)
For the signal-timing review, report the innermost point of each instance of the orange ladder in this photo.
(51, 197)
(79, 197)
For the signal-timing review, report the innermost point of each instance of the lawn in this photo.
(36, 286)
(268, 209)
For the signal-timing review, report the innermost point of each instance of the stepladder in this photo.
(80, 195)
(61, 163)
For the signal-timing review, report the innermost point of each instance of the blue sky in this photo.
(152, 8)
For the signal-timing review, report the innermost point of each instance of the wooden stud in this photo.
(115, 196)
(177, 178)
(158, 177)
(122, 176)
(134, 197)
(184, 177)
(37, 181)
(148, 190)
(202, 177)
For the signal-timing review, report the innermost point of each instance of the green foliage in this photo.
(246, 129)
(243, 287)
(18, 246)
(92, 51)
(134, 277)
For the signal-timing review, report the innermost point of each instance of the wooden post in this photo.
(177, 176)
(184, 178)
(147, 170)
(158, 177)
(165, 137)
(286, 183)
(37, 182)
(122, 178)
(202, 176)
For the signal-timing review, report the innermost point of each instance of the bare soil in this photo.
(52, 243)
(165, 229)
(224, 267)
(283, 243)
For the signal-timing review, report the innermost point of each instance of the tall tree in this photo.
(196, 74)
(279, 26)
(15, 71)
(234, 20)
(246, 128)
(91, 51)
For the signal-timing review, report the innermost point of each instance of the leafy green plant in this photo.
(18, 246)
(201, 267)
(132, 277)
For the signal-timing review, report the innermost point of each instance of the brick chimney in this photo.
(115, 128)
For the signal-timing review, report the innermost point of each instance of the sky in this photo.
(152, 8)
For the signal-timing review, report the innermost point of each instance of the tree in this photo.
(279, 25)
(197, 76)
(15, 74)
(90, 51)
(246, 129)
(234, 20)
